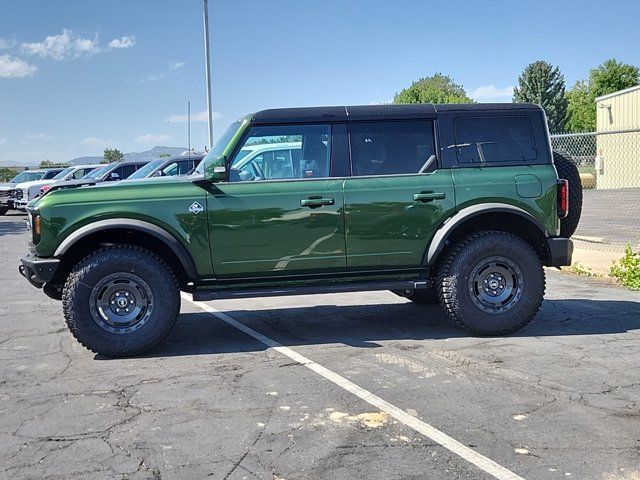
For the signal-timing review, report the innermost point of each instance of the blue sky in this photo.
(77, 76)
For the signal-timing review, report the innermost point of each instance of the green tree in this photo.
(7, 174)
(164, 155)
(543, 84)
(112, 155)
(581, 108)
(50, 164)
(436, 89)
(611, 76)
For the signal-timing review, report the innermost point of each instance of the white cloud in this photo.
(153, 78)
(38, 136)
(7, 44)
(122, 42)
(13, 67)
(154, 138)
(98, 142)
(195, 117)
(63, 46)
(486, 93)
(176, 65)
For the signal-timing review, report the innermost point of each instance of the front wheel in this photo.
(491, 283)
(121, 301)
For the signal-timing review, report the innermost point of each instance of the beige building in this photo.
(618, 154)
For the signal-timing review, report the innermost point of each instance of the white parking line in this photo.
(451, 444)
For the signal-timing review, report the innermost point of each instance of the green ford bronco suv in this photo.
(456, 204)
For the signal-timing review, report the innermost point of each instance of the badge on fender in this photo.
(196, 208)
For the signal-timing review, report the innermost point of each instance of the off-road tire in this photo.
(121, 260)
(426, 296)
(568, 170)
(455, 288)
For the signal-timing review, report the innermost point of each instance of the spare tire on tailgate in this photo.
(568, 170)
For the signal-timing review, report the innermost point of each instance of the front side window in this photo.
(494, 139)
(283, 152)
(97, 173)
(63, 173)
(390, 148)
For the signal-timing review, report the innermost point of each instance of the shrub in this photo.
(627, 269)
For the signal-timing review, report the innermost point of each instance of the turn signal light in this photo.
(563, 198)
(36, 225)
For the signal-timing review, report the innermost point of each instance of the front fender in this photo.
(131, 224)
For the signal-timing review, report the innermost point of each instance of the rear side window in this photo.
(390, 148)
(494, 139)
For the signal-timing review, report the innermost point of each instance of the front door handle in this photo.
(428, 197)
(315, 202)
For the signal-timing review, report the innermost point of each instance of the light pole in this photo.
(205, 6)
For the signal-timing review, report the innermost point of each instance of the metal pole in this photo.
(205, 7)
(189, 127)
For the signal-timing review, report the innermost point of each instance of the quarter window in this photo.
(283, 152)
(390, 148)
(494, 139)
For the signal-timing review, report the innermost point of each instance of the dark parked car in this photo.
(168, 167)
(110, 172)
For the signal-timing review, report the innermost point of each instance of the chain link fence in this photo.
(609, 165)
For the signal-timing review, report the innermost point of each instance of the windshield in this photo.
(96, 173)
(63, 173)
(220, 145)
(147, 169)
(27, 176)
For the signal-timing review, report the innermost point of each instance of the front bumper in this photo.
(38, 271)
(560, 251)
(20, 205)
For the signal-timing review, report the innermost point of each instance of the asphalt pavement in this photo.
(288, 388)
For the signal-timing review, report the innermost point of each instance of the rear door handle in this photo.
(428, 197)
(315, 202)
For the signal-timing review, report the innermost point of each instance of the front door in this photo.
(280, 214)
(391, 210)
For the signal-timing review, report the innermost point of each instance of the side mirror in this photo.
(215, 169)
(114, 176)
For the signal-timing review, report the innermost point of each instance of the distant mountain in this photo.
(133, 156)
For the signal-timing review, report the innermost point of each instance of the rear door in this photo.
(281, 215)
(391, 210)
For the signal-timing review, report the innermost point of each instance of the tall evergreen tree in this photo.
(543, 84)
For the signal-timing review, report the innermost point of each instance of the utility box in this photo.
(618, 139)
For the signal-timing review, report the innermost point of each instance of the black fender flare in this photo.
(444, 232)
(118, 223)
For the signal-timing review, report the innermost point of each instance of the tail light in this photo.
(563, 198)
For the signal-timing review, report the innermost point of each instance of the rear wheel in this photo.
(121, 301)
(568, 170)
(491, 283)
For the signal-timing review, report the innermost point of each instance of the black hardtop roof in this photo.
(377, 112)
